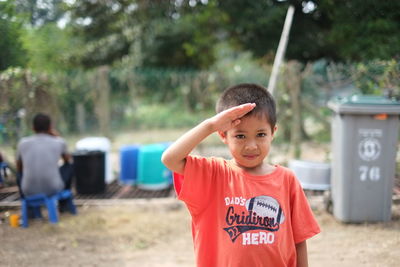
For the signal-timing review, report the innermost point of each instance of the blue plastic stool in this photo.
(34, 203)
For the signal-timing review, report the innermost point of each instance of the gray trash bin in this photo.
(364, 143)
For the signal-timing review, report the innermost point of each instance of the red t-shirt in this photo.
(239, 219)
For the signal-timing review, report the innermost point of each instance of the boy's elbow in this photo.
(164, 159)
(167, 160)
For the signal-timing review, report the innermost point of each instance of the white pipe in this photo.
(281, 49)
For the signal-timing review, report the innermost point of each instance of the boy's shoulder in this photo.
(199, 157)
(287, 171)
(211, 162)
(210, 159)
(226, 163)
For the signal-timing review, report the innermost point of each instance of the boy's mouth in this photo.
(250, 157)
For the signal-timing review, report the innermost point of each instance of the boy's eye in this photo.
(239, 136)
(261, 135)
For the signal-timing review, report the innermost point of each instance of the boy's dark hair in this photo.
(41, 123)
(249, 93)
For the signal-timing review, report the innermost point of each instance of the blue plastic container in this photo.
(152, 173)
(128, 164)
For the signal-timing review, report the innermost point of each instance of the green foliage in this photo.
(254, 25)
(165, 98)
(101, 25)
(186, 38)
(363, 30)
(39, 12)
(164, 116)
(168, 33)
(184, 53)
(12, 53)
(373, 77)
(22, 94)
(11, 50)
(185, 34)
(47, 47)
(239, 67)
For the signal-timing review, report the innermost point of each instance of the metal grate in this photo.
(117, 191)
(10, 195)
(7, 196)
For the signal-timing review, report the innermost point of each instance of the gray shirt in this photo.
(40, 154)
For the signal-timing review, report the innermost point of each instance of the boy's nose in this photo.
(251, 145)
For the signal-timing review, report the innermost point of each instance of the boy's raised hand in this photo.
(174, 157)
(229, 118)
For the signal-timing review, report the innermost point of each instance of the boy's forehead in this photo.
(259, 122)
(260, 116)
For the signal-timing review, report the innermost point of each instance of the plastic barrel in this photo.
(152, 173)
(89, 169)
(128, 164)
(95, 143)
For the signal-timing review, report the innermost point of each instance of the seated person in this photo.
(38, 160)
(2, 169)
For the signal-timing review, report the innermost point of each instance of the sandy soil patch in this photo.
(158, 234)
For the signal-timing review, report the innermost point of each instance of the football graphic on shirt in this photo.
(266, 206)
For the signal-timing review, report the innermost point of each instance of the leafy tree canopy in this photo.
(363, 30)
(184, 33)
(40, 12)
(11, 49)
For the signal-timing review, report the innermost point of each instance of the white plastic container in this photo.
(100, 144)
(312, 175)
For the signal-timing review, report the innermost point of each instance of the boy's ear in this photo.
(274, 131)
(222, 135)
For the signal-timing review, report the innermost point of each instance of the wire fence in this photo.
(112, 98)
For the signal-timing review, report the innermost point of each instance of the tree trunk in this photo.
(80, 117)
(294, 88)
(101, 99)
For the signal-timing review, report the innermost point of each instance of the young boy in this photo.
(245, 212)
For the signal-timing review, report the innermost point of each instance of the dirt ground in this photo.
(157, 233)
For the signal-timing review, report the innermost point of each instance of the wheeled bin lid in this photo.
(365, 104)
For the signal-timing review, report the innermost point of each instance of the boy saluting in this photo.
(245, 212)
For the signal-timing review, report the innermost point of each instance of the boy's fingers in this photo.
(250, 105)
(243, 109)
(236, 122)
(235, 113)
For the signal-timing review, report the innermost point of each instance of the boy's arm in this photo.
(175, 156)
(301, 250)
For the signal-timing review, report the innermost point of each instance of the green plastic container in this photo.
(152, 173)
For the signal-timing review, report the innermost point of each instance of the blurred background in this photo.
(108, 66)
(144, 71)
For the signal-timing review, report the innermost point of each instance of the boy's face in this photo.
(250, 142)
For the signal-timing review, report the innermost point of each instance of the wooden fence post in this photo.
(101, 90)
(294, 89)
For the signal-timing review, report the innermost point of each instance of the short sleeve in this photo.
(197, 184)
(304, 224)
